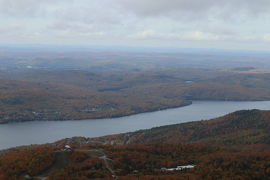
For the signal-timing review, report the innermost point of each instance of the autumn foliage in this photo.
(233, 147)
(27, 162)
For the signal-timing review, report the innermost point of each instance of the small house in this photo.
(66, 148)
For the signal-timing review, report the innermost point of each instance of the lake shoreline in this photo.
(42, 132)
(188, 103)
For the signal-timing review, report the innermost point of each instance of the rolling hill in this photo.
(79, 94)
(245, 127)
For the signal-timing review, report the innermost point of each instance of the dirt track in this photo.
(62, 161)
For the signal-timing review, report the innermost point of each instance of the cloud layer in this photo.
(137, 22)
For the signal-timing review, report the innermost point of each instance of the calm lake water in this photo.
(35, 132)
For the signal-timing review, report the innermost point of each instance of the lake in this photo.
(38, 132)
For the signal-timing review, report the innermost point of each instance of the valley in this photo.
(134, 90)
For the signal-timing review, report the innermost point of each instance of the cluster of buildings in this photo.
(178, 168)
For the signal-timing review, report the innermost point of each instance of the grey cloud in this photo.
(198, 36)
(196, 8)
(139, 21)
(88, 15)
(28, 7)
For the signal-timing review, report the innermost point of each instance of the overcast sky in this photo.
(229, 24)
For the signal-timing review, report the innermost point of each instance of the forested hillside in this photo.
(78, 94)
(245, 127)
(235, 146)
